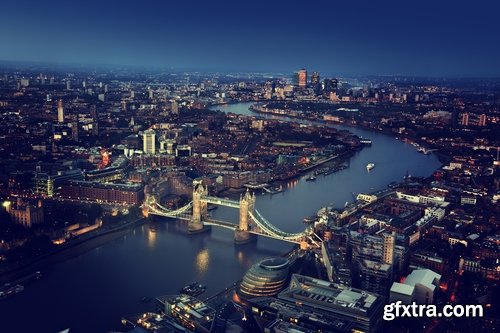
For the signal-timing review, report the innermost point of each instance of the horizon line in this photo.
(151, 67)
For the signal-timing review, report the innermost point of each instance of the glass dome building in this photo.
(264, 279)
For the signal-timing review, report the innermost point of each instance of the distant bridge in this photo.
(251, 221)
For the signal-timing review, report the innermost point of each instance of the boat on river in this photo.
(194, 289)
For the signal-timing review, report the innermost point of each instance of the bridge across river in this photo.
(251, 222)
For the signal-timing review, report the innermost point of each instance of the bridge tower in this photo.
(199, 208)
(247, 205)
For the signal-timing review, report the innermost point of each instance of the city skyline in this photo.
(345, 39)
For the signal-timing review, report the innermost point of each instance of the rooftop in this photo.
(329, 296)
(425, 277)
(402, 288)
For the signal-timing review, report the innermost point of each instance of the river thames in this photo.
(92, 291)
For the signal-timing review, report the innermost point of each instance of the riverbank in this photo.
(342, 157)
(442, 156)
(68, 250)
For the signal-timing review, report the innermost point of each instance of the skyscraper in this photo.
(315, 83)
(300, 78)
(93, 112)
(388, 249)
(149, 142)
(95, 120)
(315, 79)
(482, 120)
(175, 107)
(465, 119)
(74, 128)
(330, 85)
(60, 111)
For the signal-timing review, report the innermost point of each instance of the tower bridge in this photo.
(251, 221)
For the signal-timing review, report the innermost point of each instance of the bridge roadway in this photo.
(220, 201)
(219, 223)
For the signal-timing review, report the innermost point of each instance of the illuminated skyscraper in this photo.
(95, 120)
(482, 120)
(315, 84)
(175, 107)
(465, 119)
(300, 78)
(388, 249)
(149, 142)
(315, 79)
(60, 111)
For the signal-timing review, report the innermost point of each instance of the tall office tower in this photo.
(482, 120)
(175, 107)
(315, 79)
(95, 128)
(84, 84)
(93, 112)
(150, 93)
(300, 78)
(388, 249)
(60, 111)
(68, 85)
(149, 142)
(74, 128)
(51, 80)
(95, 120)
(465, 119)
(132, 94)
(315, 84)
(330, 85)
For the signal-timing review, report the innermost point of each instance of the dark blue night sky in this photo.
(438, 38)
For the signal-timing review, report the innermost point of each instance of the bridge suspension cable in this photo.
(270, 229)
(158, 208)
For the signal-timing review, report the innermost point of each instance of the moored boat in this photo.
(311, 178)
(194, 289)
